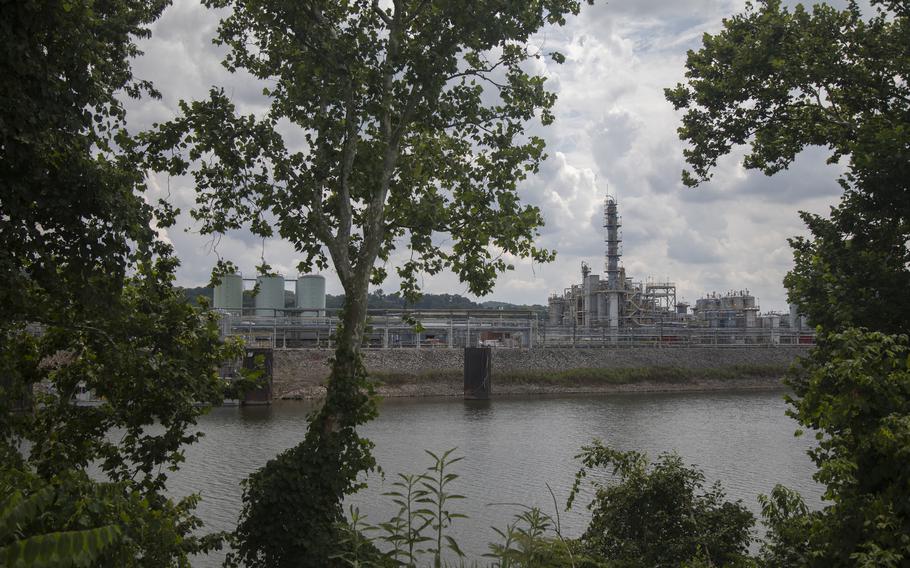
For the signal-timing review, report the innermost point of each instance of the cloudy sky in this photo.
(614, 133)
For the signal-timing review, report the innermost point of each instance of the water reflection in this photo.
(513, 448)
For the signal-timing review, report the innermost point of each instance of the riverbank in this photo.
(300, 373)
(574, 381)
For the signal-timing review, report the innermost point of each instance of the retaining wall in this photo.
(300, 369)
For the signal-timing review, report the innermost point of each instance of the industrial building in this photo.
(619, 305)
(732, 309)
(615, 310)
(617, 301)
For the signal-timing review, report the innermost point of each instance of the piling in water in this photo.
(478, 366)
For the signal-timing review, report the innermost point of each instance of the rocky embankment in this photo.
(299, 373)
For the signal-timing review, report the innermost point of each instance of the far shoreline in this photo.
(417, 387)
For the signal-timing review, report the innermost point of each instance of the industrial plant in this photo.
(615, 310)
(619, 303)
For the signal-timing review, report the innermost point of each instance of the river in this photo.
(513, 448)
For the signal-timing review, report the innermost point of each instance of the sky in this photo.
(614, 134)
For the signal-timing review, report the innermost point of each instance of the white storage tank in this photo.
(271, 295)
(228, 294)
(310, 292)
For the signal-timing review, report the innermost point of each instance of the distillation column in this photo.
(613, 240)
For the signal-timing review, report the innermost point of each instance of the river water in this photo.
(513, 448)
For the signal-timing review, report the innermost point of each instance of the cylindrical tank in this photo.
(602, 311)
(751, 317)
(228, 294)
(271, 295)
(794, 316)
(310, 290)
(590, 301)
(556, 310)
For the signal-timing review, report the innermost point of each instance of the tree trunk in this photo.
(348, 400)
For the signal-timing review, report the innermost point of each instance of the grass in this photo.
(591, 376)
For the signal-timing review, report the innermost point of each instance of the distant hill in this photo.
(377, 300)
(192, 293)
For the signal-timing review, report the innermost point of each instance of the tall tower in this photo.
(612, 223)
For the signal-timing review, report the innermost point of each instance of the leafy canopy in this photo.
(389, 122)
(779, 81)
(86, 294)
(401, 121)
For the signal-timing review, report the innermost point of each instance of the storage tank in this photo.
(270, 296)
(557, 307)
(795, 322)
(751, 317)
(229, 293)
(602, 310)
(310, 290)
(591, 283)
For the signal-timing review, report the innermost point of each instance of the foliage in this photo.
(416, 530)
(356, 548)
(385, 124)
(404, 531)
(656, 515)
(855, 392)
(659, 514)
(87, 297)
(301, 487)
(61, 548)
(534, 538)
(789, 526)
(378, 300)
(72, 520)
(780, 81)
(435, 497)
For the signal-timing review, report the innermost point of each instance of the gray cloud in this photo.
(614, 132)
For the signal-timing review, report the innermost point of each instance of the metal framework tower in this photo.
(613, 238)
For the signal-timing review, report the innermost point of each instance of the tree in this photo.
(660, 514)
(789, 524)
(411, 116)
(856, 393)
(86, 294)
(780, 81)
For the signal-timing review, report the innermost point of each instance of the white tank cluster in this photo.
(309, 292)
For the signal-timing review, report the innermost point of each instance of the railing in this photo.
(452, 329)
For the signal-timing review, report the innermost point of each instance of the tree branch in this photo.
(349, 152)
(385, 17)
